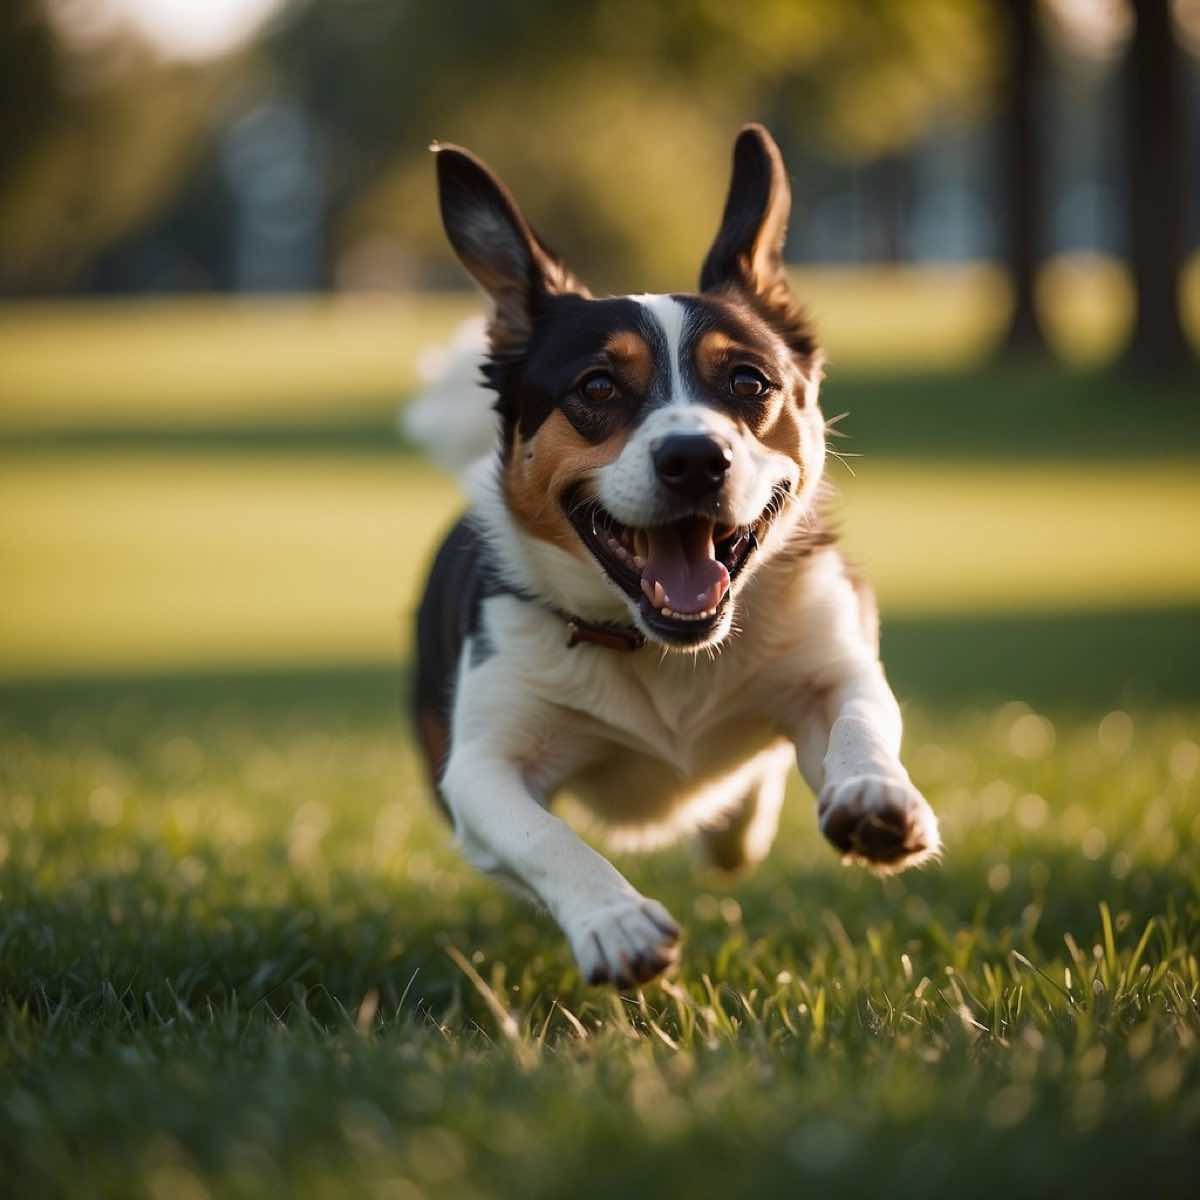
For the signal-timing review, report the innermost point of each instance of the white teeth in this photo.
(655, 593)
(696, 616)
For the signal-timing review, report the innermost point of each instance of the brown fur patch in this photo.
(435, 739)
(785, 433)
(541, 469)
(716, 353)
(714, 350)
(780, 427)
(631, 360)
(434, 736)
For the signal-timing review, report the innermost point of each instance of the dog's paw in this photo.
(626, 942)
(880, 821)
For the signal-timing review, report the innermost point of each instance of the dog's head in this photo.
(668, 444)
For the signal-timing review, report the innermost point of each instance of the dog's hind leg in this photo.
(746, 831)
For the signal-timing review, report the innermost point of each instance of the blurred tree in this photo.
(605, 113)
(613, 117)
(95, 134)
(29, 82)
(1021, 170)
(1155, 148)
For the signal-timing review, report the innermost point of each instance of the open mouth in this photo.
(680, 572)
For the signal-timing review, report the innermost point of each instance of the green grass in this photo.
(200, 364)
(240, 958)
(225, 971)
(123, 561)
(304, 366)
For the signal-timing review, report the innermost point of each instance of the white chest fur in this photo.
(656, 741)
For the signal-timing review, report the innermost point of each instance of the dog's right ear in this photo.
(498, 246)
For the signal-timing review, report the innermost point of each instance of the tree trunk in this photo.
(892, 179)
(1022, 171)
(1154, 138)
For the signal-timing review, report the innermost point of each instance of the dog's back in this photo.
(459, 582)
(453, 422)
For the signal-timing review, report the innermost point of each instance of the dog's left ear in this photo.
(748, 249)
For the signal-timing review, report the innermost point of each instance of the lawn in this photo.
(309, 365)
(141, 560)
(240, 958)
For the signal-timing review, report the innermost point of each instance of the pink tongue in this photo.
(683, 560)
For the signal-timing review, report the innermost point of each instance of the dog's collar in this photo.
(601, 633)
(607, 634)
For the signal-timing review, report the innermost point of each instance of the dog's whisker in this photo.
(831, 424)
(842, 458)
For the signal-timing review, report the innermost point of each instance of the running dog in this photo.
(644, 605)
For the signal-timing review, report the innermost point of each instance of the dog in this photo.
(644, 605)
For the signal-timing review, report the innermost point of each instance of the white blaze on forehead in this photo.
(671, 317)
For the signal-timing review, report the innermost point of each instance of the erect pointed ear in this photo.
(748, 249)
(497, 245)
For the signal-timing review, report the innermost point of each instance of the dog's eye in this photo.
(747, 383)
(598, 388)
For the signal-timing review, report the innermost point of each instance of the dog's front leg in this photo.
(618, 935)
(849, 753)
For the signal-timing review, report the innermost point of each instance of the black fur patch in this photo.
(569, 338)
(462, 578)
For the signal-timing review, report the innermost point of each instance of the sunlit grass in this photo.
(207, 363)
(133, 561)
(129, 562)
(211, 363)
(240, 958)
(225, 970)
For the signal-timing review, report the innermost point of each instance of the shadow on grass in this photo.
(164, 943)
(1072, 661)
(371, 432)
(1007, 412)
(1015, 412)
(376, 689)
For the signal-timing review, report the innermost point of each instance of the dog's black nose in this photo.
(692, 464)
